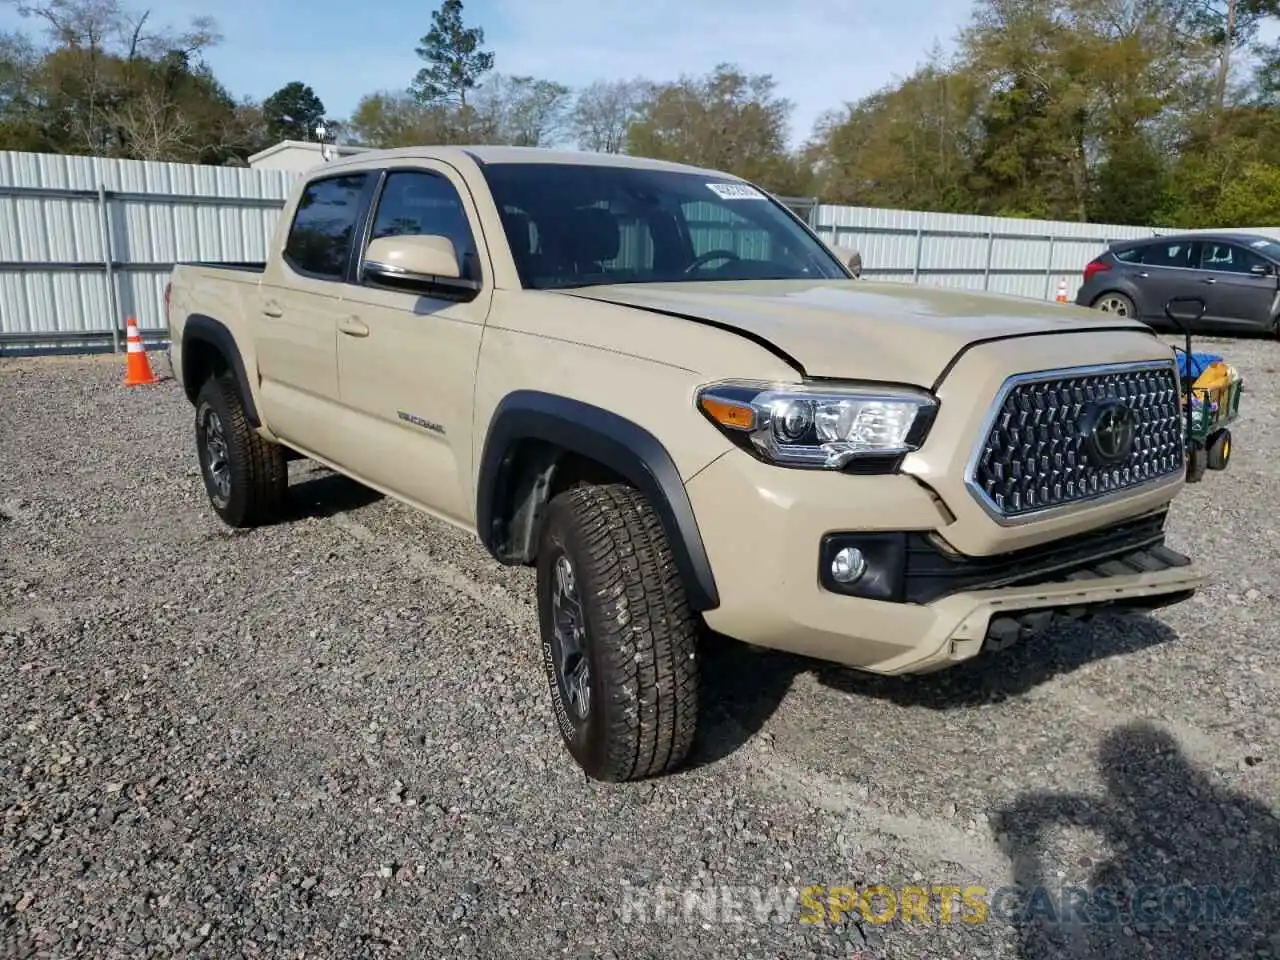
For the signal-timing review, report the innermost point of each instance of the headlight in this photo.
(811, 425)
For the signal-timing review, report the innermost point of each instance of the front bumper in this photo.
(763, 527)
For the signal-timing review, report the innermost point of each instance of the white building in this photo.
(300, 155)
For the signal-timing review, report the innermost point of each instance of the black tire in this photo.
(1118, 303)
(1197, 464)
(639, 639)
(252, 490)
(1219, 453)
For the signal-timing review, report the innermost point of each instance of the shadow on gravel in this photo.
(1195, 867)
(324, 495)
(992, 678)
(743, 686)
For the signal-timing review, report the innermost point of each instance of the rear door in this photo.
(1240, 286)
(300, 303)
(1167, 269)
(407, 361)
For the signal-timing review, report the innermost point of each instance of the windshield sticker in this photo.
(735, 191)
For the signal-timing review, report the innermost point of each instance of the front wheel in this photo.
(619, 640)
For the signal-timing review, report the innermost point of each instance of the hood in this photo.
(858, 329)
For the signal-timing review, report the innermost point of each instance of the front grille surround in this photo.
(1030, 440)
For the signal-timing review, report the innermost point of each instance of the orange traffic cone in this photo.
(137, 372)
(1062, 291)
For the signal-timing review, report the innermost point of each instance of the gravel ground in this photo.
(331, 737)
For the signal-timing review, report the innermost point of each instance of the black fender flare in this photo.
(199, 328)
(613, 441)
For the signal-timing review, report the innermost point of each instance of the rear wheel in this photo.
(1116, 303)
(619, 640)
(245, 476)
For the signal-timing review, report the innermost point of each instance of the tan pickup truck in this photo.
(657, 386)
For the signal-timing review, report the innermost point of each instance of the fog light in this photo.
(848, 565)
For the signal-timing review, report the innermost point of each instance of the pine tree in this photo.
(455, 60)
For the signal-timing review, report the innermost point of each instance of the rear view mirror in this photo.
(423, 263)
(1261, 270)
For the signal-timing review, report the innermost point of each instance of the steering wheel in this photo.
(710, 255)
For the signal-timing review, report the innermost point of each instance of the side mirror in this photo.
(850, 258)
(1261, 270)
(423, 264)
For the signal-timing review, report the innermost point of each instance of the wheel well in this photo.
(1111, 293)
(541, 443)
(539, 471)
(200, 361)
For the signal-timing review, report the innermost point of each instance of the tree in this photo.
(388, 119)
(605, 111)
(522, 111)
(114, 83)
(21, 127)
(910, 145)
(727, 120)
(455, 60)
(292, 112)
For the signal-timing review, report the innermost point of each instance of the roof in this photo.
(1226, 236)
(308, 145)
(501, 154)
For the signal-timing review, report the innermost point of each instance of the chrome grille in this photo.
(1037, 453)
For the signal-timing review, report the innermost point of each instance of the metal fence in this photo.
(87, 242)
(1027, 258)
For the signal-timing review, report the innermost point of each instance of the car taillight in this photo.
(1095, 266)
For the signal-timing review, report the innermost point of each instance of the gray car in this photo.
(1237, 275)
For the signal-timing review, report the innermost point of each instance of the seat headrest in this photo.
(597, 236)
(519, 234)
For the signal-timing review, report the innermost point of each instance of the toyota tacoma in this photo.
(657, 386)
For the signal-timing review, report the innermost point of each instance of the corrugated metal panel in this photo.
(55, 236)
(1024, 258)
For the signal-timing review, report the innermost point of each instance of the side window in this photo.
(1167, 255)
(320, 236)
(416, 203)
(1228, 258)
(1132, 255)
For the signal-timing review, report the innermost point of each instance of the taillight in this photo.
(1095, 266)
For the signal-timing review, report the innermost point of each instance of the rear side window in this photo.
(320, 237)
(1167, 254)
(419, 203)
(1132, 255)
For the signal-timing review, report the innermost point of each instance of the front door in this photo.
(407, 362)
(299, 305)
(1236, 296)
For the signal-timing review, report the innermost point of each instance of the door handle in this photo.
(1209, 280)
(272, 309)
(1144, 276)
(352, 327)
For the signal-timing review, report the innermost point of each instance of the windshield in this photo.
(1266, 247)
(573, 225)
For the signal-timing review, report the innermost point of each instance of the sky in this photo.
(822, 53)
